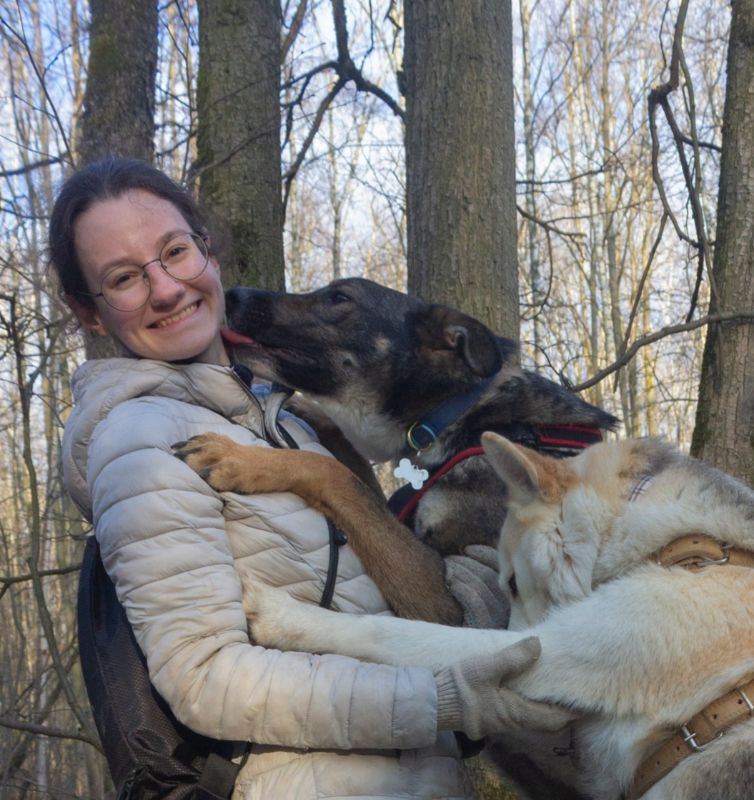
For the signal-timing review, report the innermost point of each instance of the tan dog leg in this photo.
(409, 574)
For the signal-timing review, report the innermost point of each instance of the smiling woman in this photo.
(134, 260)
(175, 317)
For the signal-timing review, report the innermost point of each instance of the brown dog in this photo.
(402, 378)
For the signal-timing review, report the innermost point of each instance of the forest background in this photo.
(579, 175)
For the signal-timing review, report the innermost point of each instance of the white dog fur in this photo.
(638, 649)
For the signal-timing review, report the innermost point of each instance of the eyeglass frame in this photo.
(143, 267)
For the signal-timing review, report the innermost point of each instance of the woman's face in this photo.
(181, 319)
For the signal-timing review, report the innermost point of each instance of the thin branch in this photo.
(742, 317)
(347, 70)
(554, 181)
(48, 162)
(53, 109)
(640, 290)
(15, 337)
(656, 96)
(547, 225)
(301, 155)
(9, 580)
(293, 31)
(659, 97)
(44, 730)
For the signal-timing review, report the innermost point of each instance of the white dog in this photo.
(638, 648)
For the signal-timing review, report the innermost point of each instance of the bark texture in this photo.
(118, 116)
(119, 100)
(460, 158)
(239, 135)
(724, 432)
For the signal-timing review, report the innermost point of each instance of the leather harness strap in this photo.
(697, 550)
(694, 552)
(710, 723)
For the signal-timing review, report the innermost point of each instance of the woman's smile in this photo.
(177, 317)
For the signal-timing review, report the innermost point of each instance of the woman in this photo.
(134, 261)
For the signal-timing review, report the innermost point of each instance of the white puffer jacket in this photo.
(323, 726)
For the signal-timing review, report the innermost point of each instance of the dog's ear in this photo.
(442, 328)
(514, 466)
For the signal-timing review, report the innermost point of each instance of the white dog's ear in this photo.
(514, 467)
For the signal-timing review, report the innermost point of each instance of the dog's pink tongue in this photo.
(233, 337)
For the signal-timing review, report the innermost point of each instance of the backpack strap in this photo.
(217, 779)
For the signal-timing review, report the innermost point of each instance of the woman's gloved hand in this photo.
(472, 698)
(473, 579)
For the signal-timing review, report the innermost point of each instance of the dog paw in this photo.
(267, 612)
(215, 458)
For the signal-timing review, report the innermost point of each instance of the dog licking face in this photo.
(376, 361)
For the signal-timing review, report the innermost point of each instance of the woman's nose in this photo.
(164, 290)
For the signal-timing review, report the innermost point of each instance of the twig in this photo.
(9, 580)
(45, 730)
(48, 162)
(293, 31)
(658, 96)
(640, 290)
(53, 110)
(292, 171)
(548, 226)
(668, 330)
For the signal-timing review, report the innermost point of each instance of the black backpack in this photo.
(149, 753)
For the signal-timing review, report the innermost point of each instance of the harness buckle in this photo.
(747, 701)
(690, 738)
(708, 562)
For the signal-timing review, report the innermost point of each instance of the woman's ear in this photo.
(87, 315)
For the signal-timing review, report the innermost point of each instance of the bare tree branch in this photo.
(347, 70)
(742, 317)
(9, 580)
(295, 27)
(45, 730)
(548, 226)
(21, 37)
(658, 96)
(10, 173)
(640, 290)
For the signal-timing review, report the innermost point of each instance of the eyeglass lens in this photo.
(127, 287)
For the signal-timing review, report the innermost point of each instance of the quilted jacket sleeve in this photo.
(163, 541)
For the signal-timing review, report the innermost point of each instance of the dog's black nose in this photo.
(243, 297)
(235, 297)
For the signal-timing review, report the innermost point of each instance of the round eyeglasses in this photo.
(127, 287)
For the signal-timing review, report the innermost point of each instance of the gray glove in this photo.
(473, 579)
(471, 698)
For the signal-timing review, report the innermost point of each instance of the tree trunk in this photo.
(118, 117)
(460, 157)
(239, 135)
(119, 100)
(725, 414)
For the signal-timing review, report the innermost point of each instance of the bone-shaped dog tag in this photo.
(411, 473)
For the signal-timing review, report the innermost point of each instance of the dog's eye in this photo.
(512, 586)
(339, 297)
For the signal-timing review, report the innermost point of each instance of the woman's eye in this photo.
(174, 253)
(124, 279)
(512, 586)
